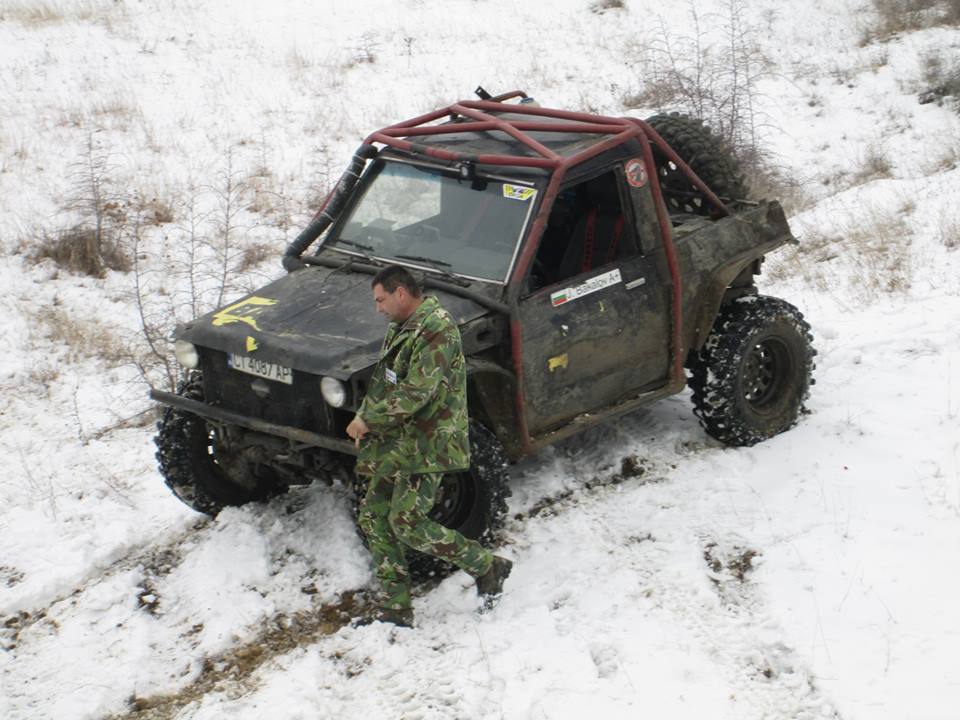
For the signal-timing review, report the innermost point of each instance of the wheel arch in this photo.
(490, 394)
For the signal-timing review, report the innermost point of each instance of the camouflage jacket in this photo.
(416, 403)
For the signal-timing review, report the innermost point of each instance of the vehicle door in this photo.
(595, 325)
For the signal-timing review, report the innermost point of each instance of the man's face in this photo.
(393, 305)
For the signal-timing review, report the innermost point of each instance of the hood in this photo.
(318, 320)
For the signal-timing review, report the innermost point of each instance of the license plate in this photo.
(260, 368)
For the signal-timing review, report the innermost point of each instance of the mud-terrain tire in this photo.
(707, 155)
(754, 372)
(474, 502)
(188, 462)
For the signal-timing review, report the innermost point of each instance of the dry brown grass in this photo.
(892, 17)
(84, 338)
(44, 12)
(75, 249)
(867, 255)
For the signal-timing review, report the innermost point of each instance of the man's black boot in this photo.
(400, 618)
(490, 584)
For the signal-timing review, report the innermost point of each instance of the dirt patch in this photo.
(738, 562)
(235, 666)
(13, 625)
(10, 576)
(156, 566)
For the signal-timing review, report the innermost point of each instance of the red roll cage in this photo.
(482, 116)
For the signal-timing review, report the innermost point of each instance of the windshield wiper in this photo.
(365, 250)
(438, 265)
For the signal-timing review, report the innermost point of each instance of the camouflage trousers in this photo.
(393, 516)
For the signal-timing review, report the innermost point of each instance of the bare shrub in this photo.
(188, 271)
(712, 74)
(363, 52)
(940, 76)
(102, 211)
(874, 165)
(892, 17)
(157, 211)
(952, 12)
(948, 230)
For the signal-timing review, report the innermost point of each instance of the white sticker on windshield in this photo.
(561, 297)
(518, 192)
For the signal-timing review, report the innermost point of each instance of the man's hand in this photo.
(357, 429)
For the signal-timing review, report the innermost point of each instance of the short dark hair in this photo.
(393, 276)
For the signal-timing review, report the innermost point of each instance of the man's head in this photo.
(396, 293)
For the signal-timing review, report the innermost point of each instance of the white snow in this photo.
(622, 602)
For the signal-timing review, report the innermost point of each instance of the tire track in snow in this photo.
(154, 560)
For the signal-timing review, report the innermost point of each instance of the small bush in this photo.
(253, 255)
(874, 165)
(156, 211)
(893, 17)
(940, 79)
(601, 6)
(76, 250)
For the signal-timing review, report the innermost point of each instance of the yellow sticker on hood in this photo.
(245, 311)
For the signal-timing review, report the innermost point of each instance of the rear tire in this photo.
(186, 453)
(754, 372)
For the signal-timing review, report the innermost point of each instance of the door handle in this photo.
(636, 283)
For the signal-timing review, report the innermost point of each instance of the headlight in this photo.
(186, 353)
(333, 391)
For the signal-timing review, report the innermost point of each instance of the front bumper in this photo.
(228, 416)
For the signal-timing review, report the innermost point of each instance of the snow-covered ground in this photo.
(811, 576)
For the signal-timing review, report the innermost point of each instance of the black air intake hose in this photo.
(321, 221)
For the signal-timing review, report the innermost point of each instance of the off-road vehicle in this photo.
(594, 265)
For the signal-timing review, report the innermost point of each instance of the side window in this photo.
(587, 229)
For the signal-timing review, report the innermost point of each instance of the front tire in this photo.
(187, 455)
(754, 372)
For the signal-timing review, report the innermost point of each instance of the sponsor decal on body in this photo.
(562, 297)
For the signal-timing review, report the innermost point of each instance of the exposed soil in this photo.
(236, 666)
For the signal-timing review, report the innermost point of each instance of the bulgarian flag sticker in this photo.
(562, 297)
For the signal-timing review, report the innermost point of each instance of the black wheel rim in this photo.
(766, 369)
(455, 500)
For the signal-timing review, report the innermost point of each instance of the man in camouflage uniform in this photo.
(410, 429)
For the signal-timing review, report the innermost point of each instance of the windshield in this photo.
(419, 216)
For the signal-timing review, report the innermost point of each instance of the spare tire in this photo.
(707, 155)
